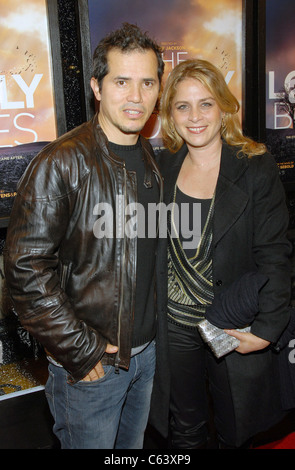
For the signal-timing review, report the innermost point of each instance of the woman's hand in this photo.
(248, 341)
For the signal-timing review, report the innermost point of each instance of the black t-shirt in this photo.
(144, 314)
(191, 223)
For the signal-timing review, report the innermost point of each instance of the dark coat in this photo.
(249, 232)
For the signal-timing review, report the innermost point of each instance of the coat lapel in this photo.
(170, 170)
(230, 199)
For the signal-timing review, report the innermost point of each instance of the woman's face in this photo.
(196, 115)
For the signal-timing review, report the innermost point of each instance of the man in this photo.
(84, 290)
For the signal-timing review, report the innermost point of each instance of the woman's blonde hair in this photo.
(212, 79)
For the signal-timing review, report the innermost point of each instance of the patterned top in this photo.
(190, 287)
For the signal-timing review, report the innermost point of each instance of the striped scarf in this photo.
(190, 287)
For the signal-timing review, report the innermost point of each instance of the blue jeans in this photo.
(109, 413)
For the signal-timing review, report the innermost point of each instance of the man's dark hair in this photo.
(128, 38)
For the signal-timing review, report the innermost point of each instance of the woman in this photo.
(244, 220)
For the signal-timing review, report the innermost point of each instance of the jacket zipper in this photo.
(117, 359)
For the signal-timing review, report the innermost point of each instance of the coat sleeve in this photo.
(271, 249)
(38, 222)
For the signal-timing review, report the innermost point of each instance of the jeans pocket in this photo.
(91, 383)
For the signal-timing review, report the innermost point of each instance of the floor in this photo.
(26, 423)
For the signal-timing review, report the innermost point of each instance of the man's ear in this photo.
(95, 88)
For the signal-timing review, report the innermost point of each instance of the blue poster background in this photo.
(280, 76)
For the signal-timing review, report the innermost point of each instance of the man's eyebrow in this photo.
(148, 79)
(119, 77)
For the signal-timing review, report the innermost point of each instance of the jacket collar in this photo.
(149, 162)
(231, 167)
(171, 170)
(230, 199)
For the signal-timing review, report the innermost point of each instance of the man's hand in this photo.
(248, 341)
(97, 372)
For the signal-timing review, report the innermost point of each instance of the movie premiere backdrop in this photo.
(26, 90)
(280, 85)
(207, 29)
(27, 108)
(27, 121)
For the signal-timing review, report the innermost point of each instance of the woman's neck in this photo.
(199, 172)
(204, 158)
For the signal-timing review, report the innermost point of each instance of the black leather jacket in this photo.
(72, 290)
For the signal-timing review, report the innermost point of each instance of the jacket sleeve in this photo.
(271, 249)
(38, 222)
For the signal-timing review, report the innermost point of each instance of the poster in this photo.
(27, 121)
(280, 85)
(27, 108)
(207, 29)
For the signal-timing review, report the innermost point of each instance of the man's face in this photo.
(128, 94)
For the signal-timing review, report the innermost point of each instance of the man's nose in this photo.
(135, 93)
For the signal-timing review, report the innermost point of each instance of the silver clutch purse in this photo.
(220, 342)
